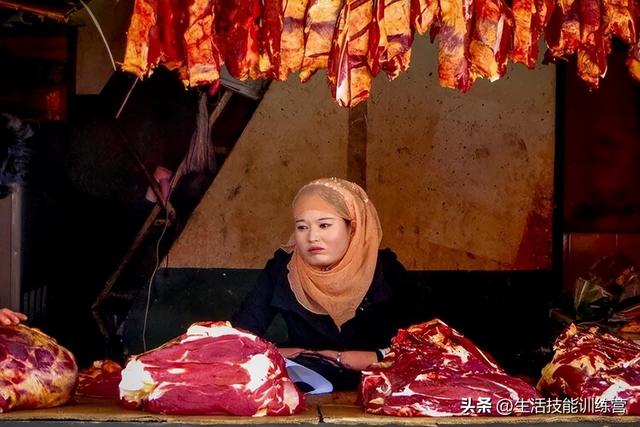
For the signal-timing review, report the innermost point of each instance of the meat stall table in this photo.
(336, 409)
(97, 412)
(340, 409)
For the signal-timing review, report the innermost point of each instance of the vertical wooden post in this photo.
(357, 145)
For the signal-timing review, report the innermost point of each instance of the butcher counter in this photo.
(336, 409)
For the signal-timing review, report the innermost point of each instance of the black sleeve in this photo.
(256, 313)
(409, 300)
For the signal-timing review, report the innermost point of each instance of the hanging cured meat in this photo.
(349, 74)
(171, 24)
(619, 19)
(319, 29)
(453, 51)
(423, 14)
(356, 39)
(270, 32)
(142, 49)
(563, 30)
(594, 48)
(236, 27)
(203, 56)
(292, 44)
(390, 37)
(491, 39)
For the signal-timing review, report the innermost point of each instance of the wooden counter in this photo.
(335, 409)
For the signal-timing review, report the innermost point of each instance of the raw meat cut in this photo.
(594, 48)
(589, 363)
(423, 14)
(236, 28)
(203, 56)
(211, 369)
(390, 37)
(36, 372)
(349, 74)
(142, 48)
(430, 369)
(491, 39)
(455, 22)
(319, 29)
(100, 380)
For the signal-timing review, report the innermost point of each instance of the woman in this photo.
(340, 296)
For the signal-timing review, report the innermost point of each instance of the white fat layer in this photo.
(134, 377)
(459, 351)
(196, 332)
(176, 371)
(513, 395)
(258, 369)
(618, 385)
(406, 391)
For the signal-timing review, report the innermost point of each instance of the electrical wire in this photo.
(104, 39)
(153, 275)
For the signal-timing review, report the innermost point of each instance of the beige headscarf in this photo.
(339, 290)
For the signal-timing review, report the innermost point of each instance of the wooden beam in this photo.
(357, 145)
(56, 13)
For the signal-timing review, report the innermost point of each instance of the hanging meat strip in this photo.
(594, 48)
(203, 57)
(563, 30)
(633, 61)
(349, 74)
(491, 39)
(172, 21)
(619, 19)
(319, 29)
(143, 45)
(292, 42)
(236, 28)
(270, 33)
(455, 31)
(525, 41)
(390, 37)
(423, 14)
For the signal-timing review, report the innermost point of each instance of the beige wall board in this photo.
(454, 176)
(93, 66)
(297, 134)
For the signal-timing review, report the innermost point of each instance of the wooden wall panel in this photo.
(94, 67)
(463, 181)
(297, 134)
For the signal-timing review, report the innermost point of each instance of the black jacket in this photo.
(385, 308)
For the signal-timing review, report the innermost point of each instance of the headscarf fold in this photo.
(338, 291)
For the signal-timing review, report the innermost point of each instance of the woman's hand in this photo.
(9, 317)
(289, 352)
(352, 359)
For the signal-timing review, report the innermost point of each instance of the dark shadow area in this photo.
(505, 313)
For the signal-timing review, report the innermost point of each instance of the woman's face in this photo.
(321, 237)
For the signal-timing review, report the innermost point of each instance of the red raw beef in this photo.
(236, 28)
(35, 371)
(589, 363)
(212, 369)
(100, 380)
(430, 369)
